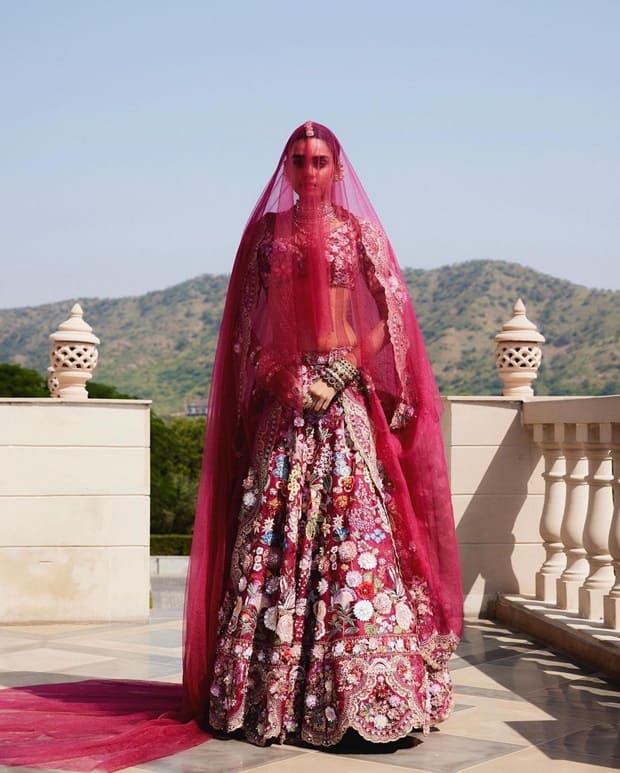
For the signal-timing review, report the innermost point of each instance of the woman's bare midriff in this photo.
(341, 334)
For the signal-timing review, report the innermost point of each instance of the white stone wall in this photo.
(497, 492)
(74, 510)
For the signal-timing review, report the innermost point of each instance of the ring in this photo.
(308, 400)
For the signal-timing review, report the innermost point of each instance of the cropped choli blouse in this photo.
(343, 247)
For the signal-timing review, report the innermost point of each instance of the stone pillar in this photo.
(574, 519)
(598, 523)
(550, 438)
(518, 354)
(73, 357)
(611, 603)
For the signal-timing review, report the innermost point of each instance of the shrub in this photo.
(170, 544)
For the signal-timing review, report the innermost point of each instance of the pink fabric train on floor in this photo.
(98, 724)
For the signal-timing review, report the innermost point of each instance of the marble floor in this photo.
(519, 706)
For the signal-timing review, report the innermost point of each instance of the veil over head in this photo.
(289, 295)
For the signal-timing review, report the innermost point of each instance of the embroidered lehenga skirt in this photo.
(317, 632)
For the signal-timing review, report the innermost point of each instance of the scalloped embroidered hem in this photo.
(383, 697)
(308, 739)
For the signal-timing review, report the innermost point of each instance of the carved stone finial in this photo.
(518, 354)
(73, 357)
(52, 382)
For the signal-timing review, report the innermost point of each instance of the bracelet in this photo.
(339, 374)
(345, 370)
(332, 378)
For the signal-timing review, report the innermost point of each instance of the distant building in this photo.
(195, 409)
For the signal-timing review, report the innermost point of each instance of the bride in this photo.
(324, 586)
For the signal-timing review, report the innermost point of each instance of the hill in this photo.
(161, 345)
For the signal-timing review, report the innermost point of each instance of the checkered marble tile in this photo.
(518, 706)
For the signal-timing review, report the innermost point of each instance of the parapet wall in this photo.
(74, 510)
(497, 492)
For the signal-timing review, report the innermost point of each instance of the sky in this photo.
(136, 135)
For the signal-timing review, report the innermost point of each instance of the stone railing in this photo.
(580, 523)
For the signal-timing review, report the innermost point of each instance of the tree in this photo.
(106, 392)
(16, 381)
(176, 454)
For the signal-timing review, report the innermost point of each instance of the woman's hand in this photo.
(319, 396)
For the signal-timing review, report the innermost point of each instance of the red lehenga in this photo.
(324, 590)
(318, 632)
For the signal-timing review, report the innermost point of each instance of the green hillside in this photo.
(161, 345)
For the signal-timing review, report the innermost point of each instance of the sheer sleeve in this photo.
(372, 281)
(261, 369)
(391, 296)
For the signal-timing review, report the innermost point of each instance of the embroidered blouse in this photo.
(344, 250)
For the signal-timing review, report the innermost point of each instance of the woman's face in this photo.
(310, 168)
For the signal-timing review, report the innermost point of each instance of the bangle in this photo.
(345, 371)
(332, 378)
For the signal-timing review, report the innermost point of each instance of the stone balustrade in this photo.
(580, 523)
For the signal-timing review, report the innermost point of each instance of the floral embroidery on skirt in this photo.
(317, 632)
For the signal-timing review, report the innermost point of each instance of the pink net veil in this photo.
(277, 310)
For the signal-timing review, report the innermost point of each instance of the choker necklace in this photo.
(321, 213)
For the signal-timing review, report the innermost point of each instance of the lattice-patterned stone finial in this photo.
(73, 357)
(518, 354)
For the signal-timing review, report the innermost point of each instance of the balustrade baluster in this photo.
(574, 519)
(598, 522)
(611, 602)
(550, 438)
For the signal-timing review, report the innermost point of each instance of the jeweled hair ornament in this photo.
(309, 129)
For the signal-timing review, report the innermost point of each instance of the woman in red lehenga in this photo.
(324, 588)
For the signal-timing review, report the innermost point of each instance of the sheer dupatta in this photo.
(287, 296)
(276, 310)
